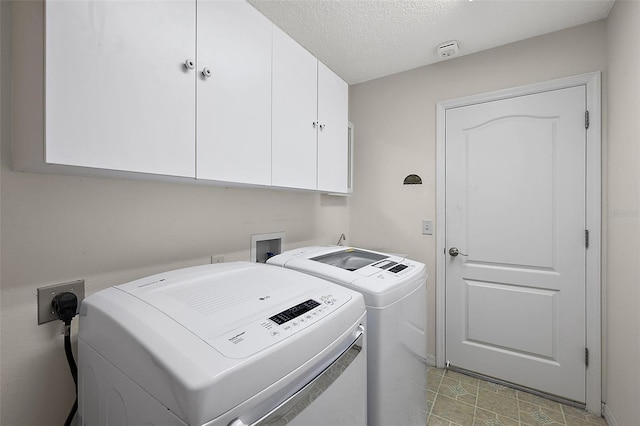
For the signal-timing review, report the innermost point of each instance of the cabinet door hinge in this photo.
(586, 238)
(586, 357)
(586, 119)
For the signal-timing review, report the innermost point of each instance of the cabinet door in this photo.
(118, 95)
(333, 135)
(294, 113)
(234, 103)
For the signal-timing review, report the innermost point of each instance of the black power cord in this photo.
(65, 305)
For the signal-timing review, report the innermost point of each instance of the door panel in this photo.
(523, 306)
(486, 187)
(295, 110)
(515, 209)
(333, 134)
(234, 104)
(118, 95)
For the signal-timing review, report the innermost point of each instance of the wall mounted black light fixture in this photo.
(413, 180)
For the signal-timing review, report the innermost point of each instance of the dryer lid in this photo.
(233, 298)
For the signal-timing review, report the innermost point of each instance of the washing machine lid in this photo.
(350, 259)
(219, 333)
(381, 278)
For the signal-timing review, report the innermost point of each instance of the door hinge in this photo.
(586, 357)
(586, 238)
(586, 119)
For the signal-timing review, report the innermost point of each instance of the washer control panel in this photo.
(398, 268)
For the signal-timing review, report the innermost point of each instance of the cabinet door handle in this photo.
(206, 72)
(322, 126)
(315, 124)
(189, 64)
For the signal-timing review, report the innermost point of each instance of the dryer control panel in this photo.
(260, 334)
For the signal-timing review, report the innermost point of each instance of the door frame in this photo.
(593, 218)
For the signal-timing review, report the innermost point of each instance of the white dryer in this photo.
(226, 344)
(394, 290)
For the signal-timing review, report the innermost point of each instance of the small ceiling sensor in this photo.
(448, 49)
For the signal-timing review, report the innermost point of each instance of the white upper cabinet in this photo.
(234, 102)
(295, 106)
(310, 120)
(333, 132)
(189, 89)
(118, 95)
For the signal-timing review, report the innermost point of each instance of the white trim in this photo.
(431, 360)
(593, 218)
(440, 235)
(594, 259)
(608, 415)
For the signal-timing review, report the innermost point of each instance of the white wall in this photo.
(108, 231)
(395, 128)
(622, 214)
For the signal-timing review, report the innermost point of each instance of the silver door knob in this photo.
(453, 251)
(189, 64)
(206, 72)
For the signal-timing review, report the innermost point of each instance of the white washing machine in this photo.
(394, 290)
(226, 344)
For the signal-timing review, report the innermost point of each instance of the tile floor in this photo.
(454, 399)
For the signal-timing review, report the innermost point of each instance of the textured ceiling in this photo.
(365, 39)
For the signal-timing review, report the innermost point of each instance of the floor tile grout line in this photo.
(564, 416)
(475, 410)
(435, 398)
(433, 403)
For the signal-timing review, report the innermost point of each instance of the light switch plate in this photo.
(427, 227)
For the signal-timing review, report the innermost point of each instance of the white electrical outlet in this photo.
(427, 227)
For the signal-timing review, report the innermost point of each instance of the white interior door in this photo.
(515, 210)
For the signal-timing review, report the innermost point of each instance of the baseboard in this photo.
(608, 415)
(431, 360)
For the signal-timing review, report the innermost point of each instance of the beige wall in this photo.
(395, 133)
(58, 228)
(622, 215)
(108, 231)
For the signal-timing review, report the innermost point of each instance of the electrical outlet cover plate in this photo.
(46, 295)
